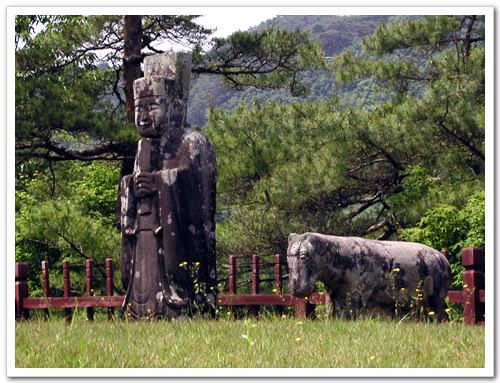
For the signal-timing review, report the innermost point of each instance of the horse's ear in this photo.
(292, 237)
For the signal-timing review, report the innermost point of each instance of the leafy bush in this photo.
(451, 228)
(73, 221)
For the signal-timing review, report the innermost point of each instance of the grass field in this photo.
(266, 343)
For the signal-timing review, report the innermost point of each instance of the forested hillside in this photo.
(336, 33)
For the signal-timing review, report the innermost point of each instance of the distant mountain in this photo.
(336, 33)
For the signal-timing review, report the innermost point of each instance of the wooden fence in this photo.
(24, 303)
(472, 296)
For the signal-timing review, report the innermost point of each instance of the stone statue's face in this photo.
(152, 115)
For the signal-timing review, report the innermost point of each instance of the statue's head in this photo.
(160, 97)
(156, 107)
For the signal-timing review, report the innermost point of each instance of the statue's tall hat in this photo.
(165, 74)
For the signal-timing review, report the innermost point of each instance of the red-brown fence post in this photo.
(232, 280)
(90, 292)
(473, 282)
(255, 282)
(109, 286)
(278, 281)
(66, 288)
(304, 309)
(232, 274)
(46, 285)
(21, 289)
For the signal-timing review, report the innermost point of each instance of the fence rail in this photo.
(472, 297)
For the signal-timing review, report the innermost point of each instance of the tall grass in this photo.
(266, 343)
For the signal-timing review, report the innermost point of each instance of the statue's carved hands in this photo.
(144, 184)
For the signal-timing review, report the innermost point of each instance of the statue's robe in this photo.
(173, 226)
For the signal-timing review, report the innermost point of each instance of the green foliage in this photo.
(452, 103)
(271, 58)
(320, 167)
(427, 32)
(59, 86)
(297, 167)
(452, 228)
(98, 191)
(74, 221)
(334, 33)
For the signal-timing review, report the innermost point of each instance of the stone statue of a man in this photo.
(168, 203)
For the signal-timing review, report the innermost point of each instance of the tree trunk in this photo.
(132, 59)
(467, 42)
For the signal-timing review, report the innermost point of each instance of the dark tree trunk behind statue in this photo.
(132, 58)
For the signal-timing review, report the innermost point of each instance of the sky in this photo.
(229, 23)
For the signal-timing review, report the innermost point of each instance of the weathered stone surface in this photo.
(368, 276)
(173, 66)
(168, 203)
